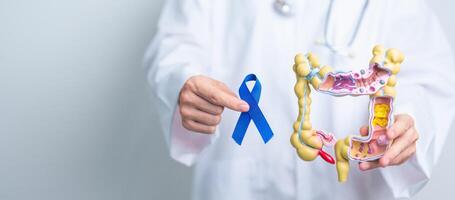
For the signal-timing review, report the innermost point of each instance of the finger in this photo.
(191, 99)
(368, 165)
(405, 155)
(198, 127)
(214, 94)
(401, 125)
(364, 130)
(199, 116)
(225, 88)
(398, 145)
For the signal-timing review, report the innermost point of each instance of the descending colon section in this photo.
(373, 146)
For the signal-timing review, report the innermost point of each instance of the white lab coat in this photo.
(227, 39)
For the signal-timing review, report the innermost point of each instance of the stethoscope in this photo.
(285, 8)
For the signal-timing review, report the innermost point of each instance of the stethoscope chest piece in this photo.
(283, 7)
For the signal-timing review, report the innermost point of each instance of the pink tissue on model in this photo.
(360, 82)
(327, 139)
(382, 140)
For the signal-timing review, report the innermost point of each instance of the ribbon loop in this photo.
(255, 113)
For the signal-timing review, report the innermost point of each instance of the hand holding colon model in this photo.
(378, 81)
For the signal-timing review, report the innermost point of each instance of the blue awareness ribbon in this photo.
(254, 113)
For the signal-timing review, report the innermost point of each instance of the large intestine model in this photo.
(378, 81)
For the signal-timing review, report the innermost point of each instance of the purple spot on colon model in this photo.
(370, 150)
(372, 89)
(382, 140)
(344, 82)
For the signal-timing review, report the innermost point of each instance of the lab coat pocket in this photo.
(231, 179)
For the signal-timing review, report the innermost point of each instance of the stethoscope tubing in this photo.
(284, 8)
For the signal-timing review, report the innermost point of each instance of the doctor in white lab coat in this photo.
(204, 48)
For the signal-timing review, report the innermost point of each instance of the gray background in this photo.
(75, 115)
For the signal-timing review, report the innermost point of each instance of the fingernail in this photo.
(384, 162)
(244, 107)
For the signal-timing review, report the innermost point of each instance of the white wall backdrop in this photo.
(75, 114)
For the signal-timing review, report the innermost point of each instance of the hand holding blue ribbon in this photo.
(255, 113)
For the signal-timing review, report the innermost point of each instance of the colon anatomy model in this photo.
(378, 81)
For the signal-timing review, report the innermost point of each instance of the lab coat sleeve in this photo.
(424, 90)
(179, 50)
